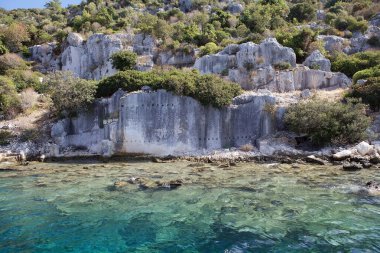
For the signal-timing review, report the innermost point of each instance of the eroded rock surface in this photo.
(254, 67)
(161, 123)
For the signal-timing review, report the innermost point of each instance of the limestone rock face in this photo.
(253, 67)
(179, 59)
(246, 56)
(45, 56)
(74, 39)
(316, 58)
(161, 123)
(91, 59)
(334, 43)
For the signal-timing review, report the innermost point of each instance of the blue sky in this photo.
(14, 4)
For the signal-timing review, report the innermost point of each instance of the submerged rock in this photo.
(373, 188)
(352, 166)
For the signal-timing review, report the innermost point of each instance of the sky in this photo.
(15, 4)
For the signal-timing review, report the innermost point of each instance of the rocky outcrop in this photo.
(334, 43)
(161, 123)
(90, 59)
(317, 60)
(254, 67)
(359, 42)
(178, 58)
(46, 57)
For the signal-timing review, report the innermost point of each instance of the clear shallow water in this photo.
(248, 208)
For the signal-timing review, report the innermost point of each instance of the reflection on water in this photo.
(58, 207)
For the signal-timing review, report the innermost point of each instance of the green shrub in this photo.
(208, 89)
(368, 92)
(350, 64)
(11, 61)
(124, 60)
(300, 40)
(69, 93)
(328, 122)
(302, 12)
(209, 48)
(282, 66)
(366, 73)
(3, 48)
(25, 79)
(5, 137)
(9, 99)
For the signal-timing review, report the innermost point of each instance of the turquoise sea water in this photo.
(248, 208)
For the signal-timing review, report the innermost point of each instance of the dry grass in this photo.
(246, 147)
(29, 99)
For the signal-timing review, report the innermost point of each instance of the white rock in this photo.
(318, 61)
(342, 154)
(364, 148)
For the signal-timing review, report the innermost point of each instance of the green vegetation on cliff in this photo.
(208, 89)
(328, 122)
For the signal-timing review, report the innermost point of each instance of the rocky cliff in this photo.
(90, 59)
(256, 66)
(161, 123)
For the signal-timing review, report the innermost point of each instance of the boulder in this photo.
(317, 60)
(306, 94)
(364, 148)
(334, 43)
(75, 39)
(235, 8)
(342, 155)
(375, 20)
(314, 160)
(373, 188)
(321, 14)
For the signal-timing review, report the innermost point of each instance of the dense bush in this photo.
(11, 61)
(208, 89)
(124, 60)
(350, 64)
(9, 100)
(302, 12)
(367, 73)
(209, 48)
(302, 41)
(368, 92)
(25, 79)
(264, 15)
(69, 93)
(328, 122)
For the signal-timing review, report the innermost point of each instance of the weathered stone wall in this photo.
(253, 67)
(161, 123)
(91, 59)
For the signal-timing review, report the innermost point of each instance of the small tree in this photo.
(14, 35)
(369, 92)
(328, 122)
(124, 60)
(9, 100)
(69, 93)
